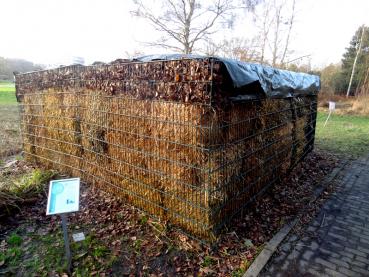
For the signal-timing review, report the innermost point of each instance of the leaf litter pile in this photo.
(123, 241)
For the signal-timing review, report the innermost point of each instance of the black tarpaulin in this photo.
(276, 83)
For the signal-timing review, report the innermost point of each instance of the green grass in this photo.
(15, 188)
(9, 120)
(7, 94)
(14, 240)
(10, 139)
(344, 134)
(39, 255)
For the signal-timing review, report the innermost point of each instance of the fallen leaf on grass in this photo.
(207, 270)
(80, 255)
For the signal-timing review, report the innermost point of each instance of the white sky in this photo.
(53, 31)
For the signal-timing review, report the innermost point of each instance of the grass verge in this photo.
(344, 134)
(7, 94)
(10, 141)
(32, 252)
(10, 138)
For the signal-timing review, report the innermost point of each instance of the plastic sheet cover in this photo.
(276, 83)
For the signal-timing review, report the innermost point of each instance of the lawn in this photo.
(7, 94)
(10, 142)
(344, 134)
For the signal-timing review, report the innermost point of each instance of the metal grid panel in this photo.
(193, 164)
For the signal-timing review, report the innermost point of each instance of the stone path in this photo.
(336, 243)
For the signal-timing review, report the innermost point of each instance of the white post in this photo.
(332, 107)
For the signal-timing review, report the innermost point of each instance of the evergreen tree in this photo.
(348, 60)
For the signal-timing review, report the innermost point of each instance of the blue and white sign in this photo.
(63, 196)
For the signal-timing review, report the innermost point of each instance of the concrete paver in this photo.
(336, 242)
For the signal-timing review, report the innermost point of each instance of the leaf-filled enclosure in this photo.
(177, 138)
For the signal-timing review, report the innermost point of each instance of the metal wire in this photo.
(196, 165)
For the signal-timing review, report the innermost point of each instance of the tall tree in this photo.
(290, 23)
(275, 45)
(237, 48)
(264, 29)
(275, 20)
(329, 77)
(184, 23)
(362, 60)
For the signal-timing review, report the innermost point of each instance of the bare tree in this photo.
(290, 25)
(276, 39)
(275, 22)
(213, 48)
(184, 23)
(133, 54)
(235, 48)
(265, 27)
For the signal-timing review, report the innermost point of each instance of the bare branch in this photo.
(186, 22)
(291, 21)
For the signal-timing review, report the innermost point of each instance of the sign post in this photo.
(66, 242)
(332, 107)
(64, 198)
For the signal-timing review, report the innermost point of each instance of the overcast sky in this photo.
(53, 31)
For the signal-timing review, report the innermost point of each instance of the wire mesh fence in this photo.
(169, 143)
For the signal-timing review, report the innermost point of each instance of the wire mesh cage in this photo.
(164, 135)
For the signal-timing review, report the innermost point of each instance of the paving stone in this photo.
(302, 264)
(334, 246)
(347, 271)
(325, 263)
(338, 262)
(285, 265)
(338, 237)
(314, 245)
(307, 255)
(340, 247)
(293, 238)
(311, 229)
(280, 258)
(359, 264)
(359, 234)
(286, 247)
(362, 249)
(325, 252)
(293, 255)
(356, 252)
(365, 260)
(346, 259)
(364, 241)
(333, 273)
(314, 272)
(360, 270)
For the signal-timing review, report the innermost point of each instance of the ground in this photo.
(9, 121)
(121, 240)
(336, 242)
(345, 135)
